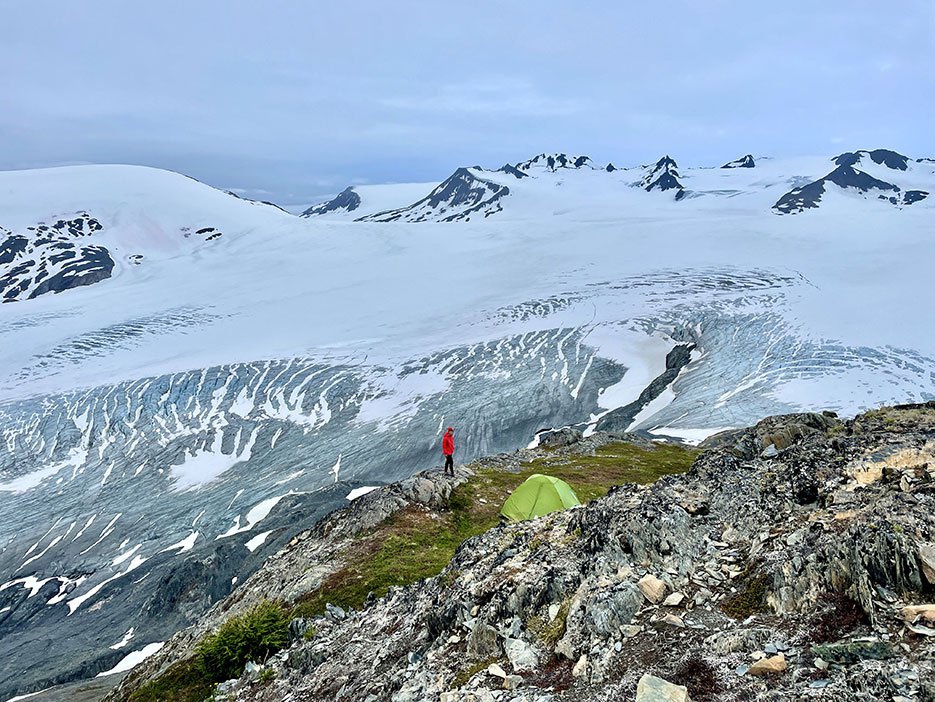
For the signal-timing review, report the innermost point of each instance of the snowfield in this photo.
(244, 369)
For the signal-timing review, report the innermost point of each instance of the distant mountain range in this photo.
(68, 252)
(474, 192)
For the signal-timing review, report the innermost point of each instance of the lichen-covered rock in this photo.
(773, 665)
(653, 588)
(559, 437)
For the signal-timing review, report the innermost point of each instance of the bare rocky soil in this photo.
(794, 561)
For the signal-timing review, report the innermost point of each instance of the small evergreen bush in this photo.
(254, 635)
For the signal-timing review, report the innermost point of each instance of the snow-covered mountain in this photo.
(744, 162)
(165, 429)
(347, 200)
(561, 184)
(56, 245)
(663, 176)
(880, 174)
(464, 194)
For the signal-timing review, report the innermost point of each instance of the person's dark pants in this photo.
(449, 464)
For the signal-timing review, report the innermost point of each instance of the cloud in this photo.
(495, 95)
(307, 99)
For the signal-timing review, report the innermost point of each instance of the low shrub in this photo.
(838, 615)
(254, 635)
(699, 677)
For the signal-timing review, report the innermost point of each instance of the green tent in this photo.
(539, 495)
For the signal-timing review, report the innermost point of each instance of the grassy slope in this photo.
(416, 544)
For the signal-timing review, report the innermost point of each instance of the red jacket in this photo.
(448, 444)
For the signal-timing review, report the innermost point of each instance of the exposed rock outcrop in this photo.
(663, 176)
(52, 258)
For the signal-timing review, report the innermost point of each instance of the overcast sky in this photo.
(292, 99)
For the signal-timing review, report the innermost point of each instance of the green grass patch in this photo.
(551, 632)
(896, 419)
(415, 544)
(750, 597)
(410, 545)
(465, 674)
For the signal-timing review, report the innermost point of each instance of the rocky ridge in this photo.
(793, 561)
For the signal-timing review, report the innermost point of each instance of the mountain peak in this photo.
(459, 197)
(744, 162)
(663, 175)
(347, 200)
(552, 162)
(512, 170)
(882, 157)
(666, 162)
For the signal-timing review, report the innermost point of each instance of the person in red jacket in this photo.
(448, 449)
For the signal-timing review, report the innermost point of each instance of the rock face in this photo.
(513, 171)
(565, 436)
(927, 559)
(883, 157)
(745, 162)
(789, 557)
(663, 176)
(621, 418)
(346, 201)
(52, 258)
